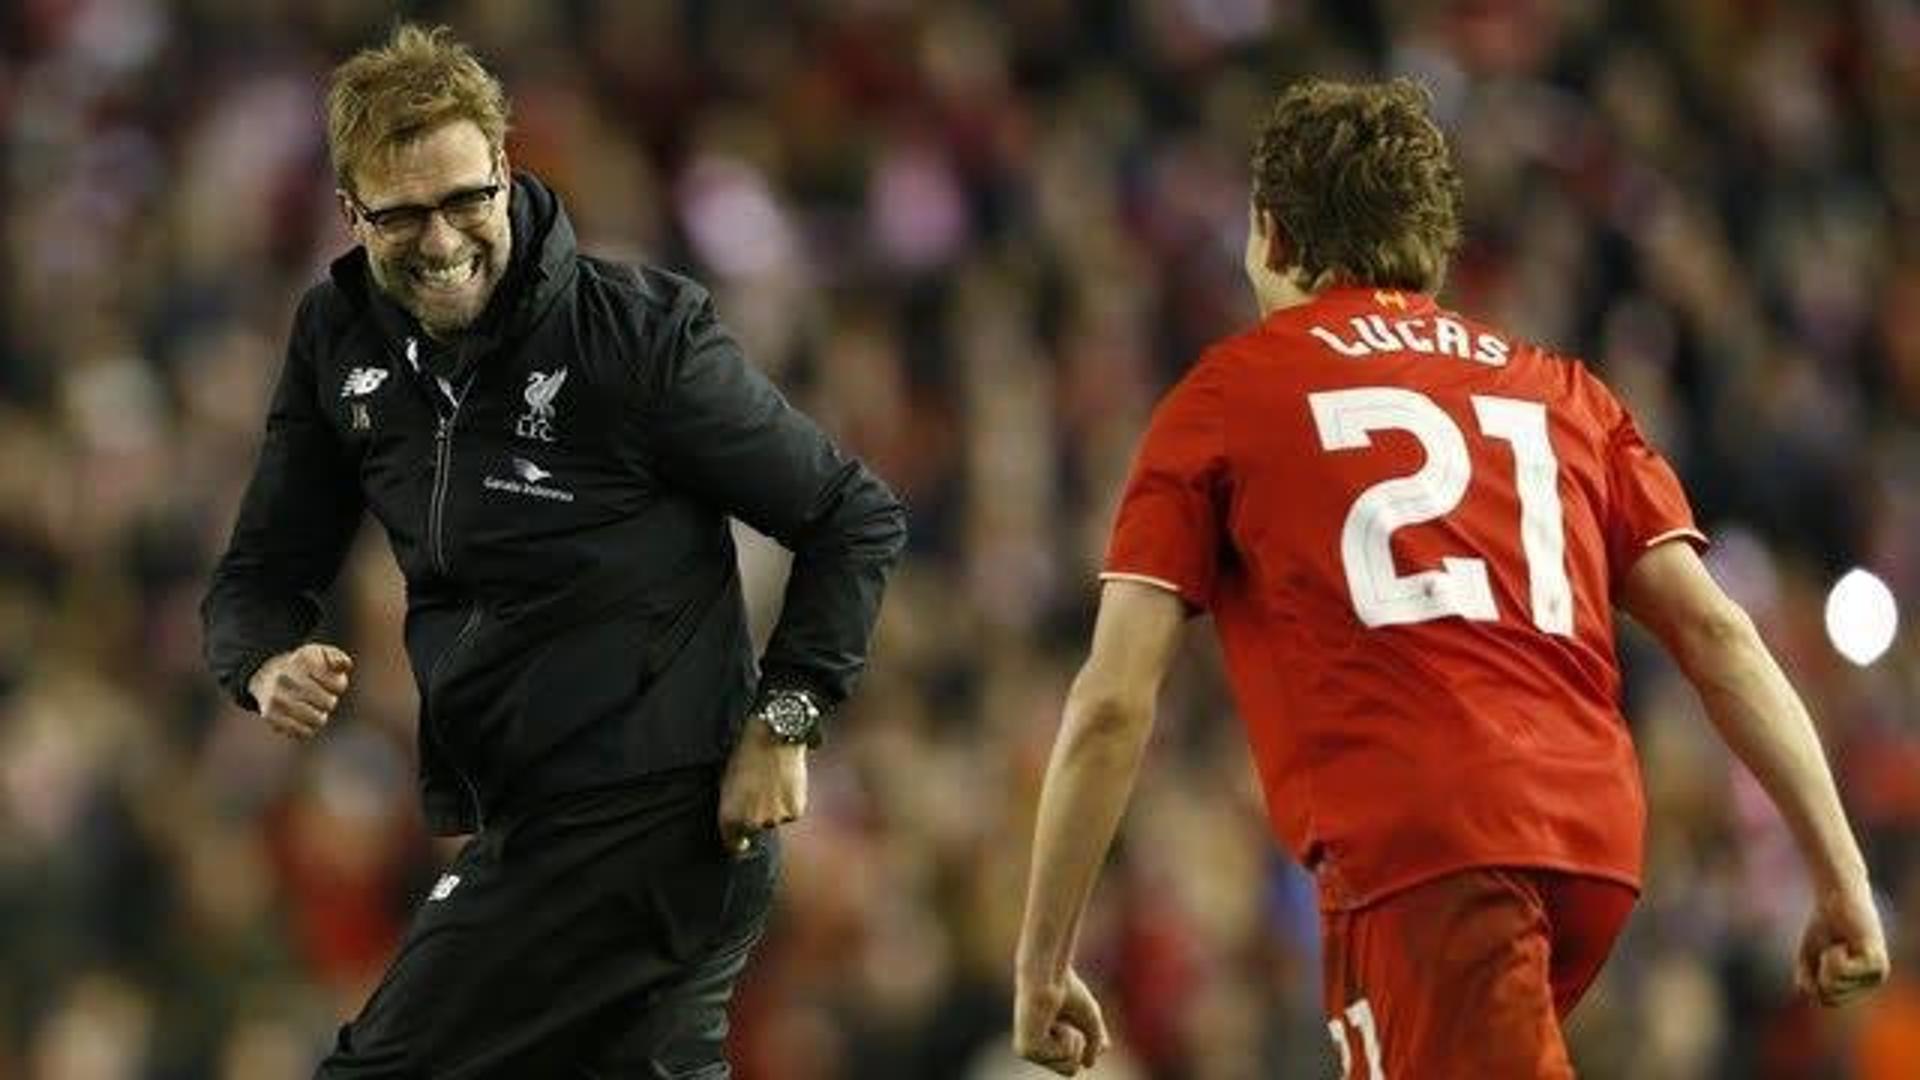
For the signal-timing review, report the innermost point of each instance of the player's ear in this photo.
(1277, 247)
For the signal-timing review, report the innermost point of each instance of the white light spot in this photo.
(1862, 617)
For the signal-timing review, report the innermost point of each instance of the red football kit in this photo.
(1408, 528)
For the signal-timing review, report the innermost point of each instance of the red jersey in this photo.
(1408, 528)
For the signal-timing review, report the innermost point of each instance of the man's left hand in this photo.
(765, 786)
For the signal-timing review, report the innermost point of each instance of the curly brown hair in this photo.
(385, 96)
(1358, 178)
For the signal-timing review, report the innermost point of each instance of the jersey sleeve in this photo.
(1168, 531)
(1647, 505)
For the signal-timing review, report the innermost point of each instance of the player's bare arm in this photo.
(1843, 953)
(1103, 731)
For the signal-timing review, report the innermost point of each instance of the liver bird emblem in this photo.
(542, 387)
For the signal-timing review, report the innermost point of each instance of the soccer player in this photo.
(1412, 531)
(554, 443)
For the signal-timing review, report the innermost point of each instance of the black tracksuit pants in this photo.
(598, 936)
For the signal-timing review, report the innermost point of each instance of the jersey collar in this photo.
(1390, 302)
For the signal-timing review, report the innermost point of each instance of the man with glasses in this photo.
(553, 444)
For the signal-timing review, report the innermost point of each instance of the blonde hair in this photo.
(383, 97)
(1360, 182)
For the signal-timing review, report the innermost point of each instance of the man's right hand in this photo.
(298, 690)
(1843, 954)
(1058, 1025)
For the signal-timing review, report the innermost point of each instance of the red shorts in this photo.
(1467, 975)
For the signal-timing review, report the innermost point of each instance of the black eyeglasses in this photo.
(463, 210)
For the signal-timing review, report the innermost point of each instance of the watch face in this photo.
(785, 715)
(789, 716)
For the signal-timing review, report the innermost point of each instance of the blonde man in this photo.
(554, 444)
(1411, 530)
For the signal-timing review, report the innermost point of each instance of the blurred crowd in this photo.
(976, 241)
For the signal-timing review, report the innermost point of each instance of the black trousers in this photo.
(597, 937)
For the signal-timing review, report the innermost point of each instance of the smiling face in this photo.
(443, 271)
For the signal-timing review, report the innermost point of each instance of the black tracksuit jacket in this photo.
(574, 613)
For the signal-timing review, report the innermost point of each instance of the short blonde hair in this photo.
(385, 96)
(1359, 180)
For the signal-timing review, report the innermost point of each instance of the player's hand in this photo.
(1058, 1025)
(1843, 954)
(298, 690)
(765, 786)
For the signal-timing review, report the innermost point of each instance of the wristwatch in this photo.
(792, 715)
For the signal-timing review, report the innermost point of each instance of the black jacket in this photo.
(574, 614)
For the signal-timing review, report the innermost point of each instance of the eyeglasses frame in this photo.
(397, 228)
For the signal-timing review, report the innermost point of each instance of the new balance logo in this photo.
(362, 381)
(444, 887)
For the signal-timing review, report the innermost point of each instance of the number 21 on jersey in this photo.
(1382, 596)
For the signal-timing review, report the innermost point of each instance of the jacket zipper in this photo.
(433, 725)
(446, 413)
(437, 547)
(442, 470)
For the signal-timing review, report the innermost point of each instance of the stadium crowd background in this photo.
(975, 241)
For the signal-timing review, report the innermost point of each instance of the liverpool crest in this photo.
(537, 421)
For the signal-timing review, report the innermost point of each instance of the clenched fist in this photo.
(1843, 954)
(298, 690)
(1058, 1024)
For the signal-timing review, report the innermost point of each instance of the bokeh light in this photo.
(1862, 616)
